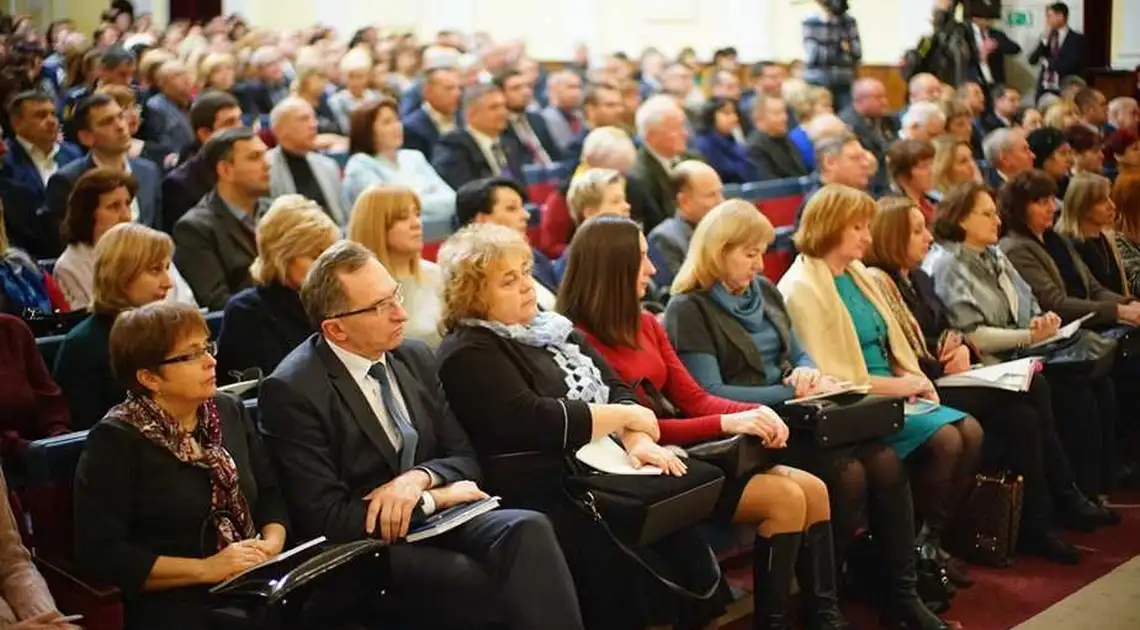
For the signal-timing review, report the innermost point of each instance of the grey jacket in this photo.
(326, 172)
(559, 127)
(671, 239)
(1034, 263)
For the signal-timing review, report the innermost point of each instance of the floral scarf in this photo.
(228, 507)
(551, 331)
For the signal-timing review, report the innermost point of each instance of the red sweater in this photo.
(32, 405)
(655, 360)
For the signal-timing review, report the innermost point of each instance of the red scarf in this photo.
(228, 506)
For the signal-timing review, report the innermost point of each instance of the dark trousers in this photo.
(502, 567)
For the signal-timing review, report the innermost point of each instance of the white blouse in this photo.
(423, 299)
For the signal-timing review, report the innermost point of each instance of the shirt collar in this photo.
(482, 139)
(126, 163)
(665, 163)
(356, 365)
(439, 119)
(34, 152)
(248, 218)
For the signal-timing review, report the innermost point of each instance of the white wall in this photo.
(1125, 34)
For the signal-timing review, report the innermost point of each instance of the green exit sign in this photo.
(1019, 18)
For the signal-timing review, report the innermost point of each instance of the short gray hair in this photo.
(474, 93)
(831, 146)
(1119, 105)
(653, 110)
(922, 113)
(287, 104)
(264, 56)
(997, 143)
(588, 189)
(322, 292)
(609, 147)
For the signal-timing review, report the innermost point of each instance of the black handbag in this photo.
(1086, 356)
(737, 456)
(321, 587)
(845, 419)
(1127, 339)
(55, 323)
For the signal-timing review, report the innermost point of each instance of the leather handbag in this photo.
(845, 419)
(1086, 356)
(1127, 339)
(317, 588)
(986, 527)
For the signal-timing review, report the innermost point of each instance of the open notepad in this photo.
(844, 388)
(606, 455)
(1066, 331)
(272, 561)
(1014, 376)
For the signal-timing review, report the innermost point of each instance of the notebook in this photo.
(1066, 331)
(1013, 376)
(281, 557)
(844, 388)
(447, 520)
(606, 455)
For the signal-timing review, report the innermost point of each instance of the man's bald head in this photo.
(925, 88)
(698, 189)
(869, 98)
(294, 124)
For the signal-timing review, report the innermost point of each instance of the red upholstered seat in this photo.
(555, 227)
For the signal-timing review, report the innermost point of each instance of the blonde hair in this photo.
(464, 260)
(150, 62)
(122, 253)
(945, 152)
(1055, 114)
(731, 224)
(827, 214)
(607, 147)
(1085, 191)
(376, 210)
(890, 233)
(294, 227)
(588, 190)
(356, 60)
(304, 73)
(212, 62)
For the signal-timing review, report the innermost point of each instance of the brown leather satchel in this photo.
(985, 529)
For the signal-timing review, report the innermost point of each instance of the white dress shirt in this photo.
(486, 143)
(443, 123)
(983, 57)
(44, 162)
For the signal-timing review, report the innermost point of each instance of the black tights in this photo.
(941, 472)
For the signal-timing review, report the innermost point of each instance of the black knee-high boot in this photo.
(773, 566)
(817, 576)
(892, 521)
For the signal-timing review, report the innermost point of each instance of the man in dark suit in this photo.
(769, 149)
(526, 131)
(32, 156)
(661, 125)
(216, 240)
(993, 46)
(166, 127)
(602, 107)
(1006, 101)
(478, 151)
(869, 119)
(424, 125)
(267, 87)
(103, 130)
(1093, 108)
(699, 190)
(1061, 51)
(366, 446)
(185, 186)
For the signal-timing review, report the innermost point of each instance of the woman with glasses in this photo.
(132, 268)
(263, 323)
(174, 489)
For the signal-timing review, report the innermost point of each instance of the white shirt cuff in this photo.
(429, 504)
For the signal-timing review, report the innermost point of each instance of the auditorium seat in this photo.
(51, 464)
(778, 200)
(542, 181)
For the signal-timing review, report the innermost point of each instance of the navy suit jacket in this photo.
(458, 160)
(1070, 59)
(144, 171)
(541, 131)
(420, 132)
(329, 445)
(167, 129)
(24, 196)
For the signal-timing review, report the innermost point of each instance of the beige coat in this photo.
(825, 327)
(23, 592)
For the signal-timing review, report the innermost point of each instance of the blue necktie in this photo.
(396, 414)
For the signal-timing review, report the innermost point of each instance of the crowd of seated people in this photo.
(245, 157)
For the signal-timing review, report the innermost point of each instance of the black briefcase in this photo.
(844, 419)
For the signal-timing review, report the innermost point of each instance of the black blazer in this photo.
(213, 251)
(256, 98)
(184, 187)
(996, 59)
(458, 160)
(329, 446)
(134, 501)
(541, 131)
(922, 302)
(420, 132)
(511, 399)
(149, 196)
(1070, 59)
(660, 202)
(24, 195)
(260, 326)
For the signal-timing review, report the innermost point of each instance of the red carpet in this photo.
(1004, 598)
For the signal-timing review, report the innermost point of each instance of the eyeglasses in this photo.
(210, 348)
(382, 306)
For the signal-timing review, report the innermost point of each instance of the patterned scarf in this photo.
(551, 331)
(228, 507)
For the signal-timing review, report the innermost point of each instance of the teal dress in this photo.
(872, 333)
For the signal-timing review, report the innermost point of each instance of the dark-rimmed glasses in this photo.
(210, 348)
(382, 306)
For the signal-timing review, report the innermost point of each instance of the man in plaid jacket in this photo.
(832, 50)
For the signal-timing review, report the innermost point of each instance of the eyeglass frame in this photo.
(396, 299)
(210, 348)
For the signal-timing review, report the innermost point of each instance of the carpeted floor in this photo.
(1005, 598)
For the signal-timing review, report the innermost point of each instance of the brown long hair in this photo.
(599, 291)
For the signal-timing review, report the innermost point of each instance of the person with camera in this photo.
(832, 50)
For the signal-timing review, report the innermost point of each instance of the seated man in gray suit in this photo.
(215, 242)
(294, 165)
(366, 445)
(769, 148)
(698, 190)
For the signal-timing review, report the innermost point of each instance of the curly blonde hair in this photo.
(465, 259)
(294, 227)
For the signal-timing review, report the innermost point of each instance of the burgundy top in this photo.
(656, 361)
(34, 406)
